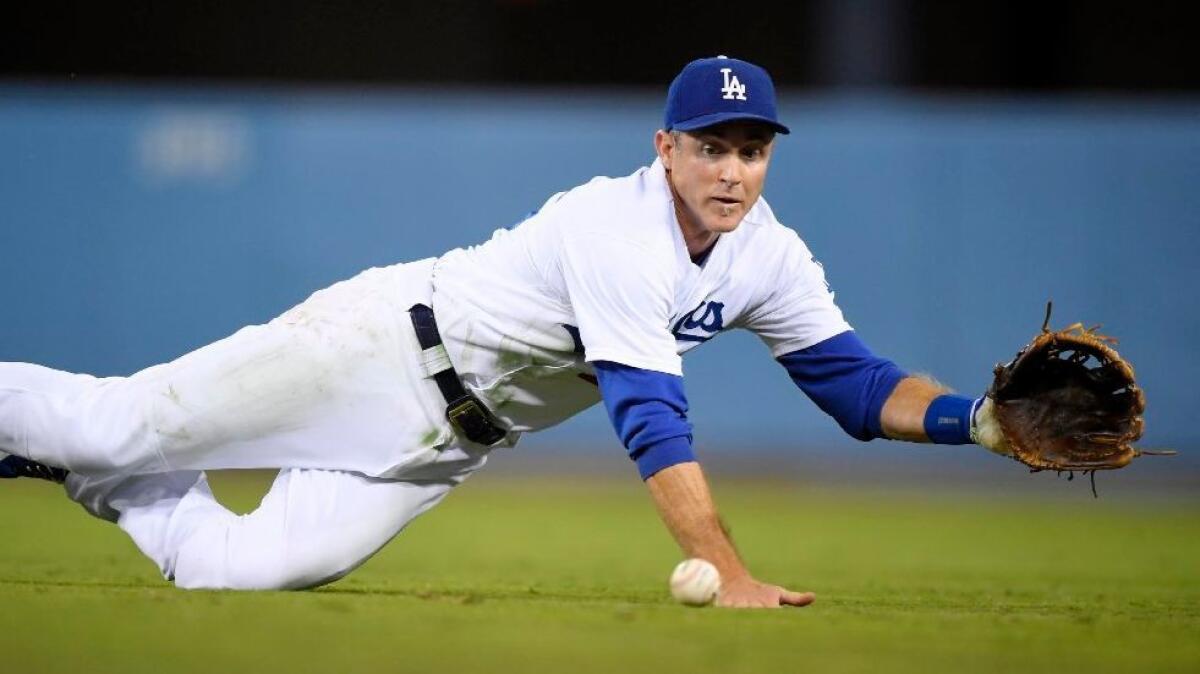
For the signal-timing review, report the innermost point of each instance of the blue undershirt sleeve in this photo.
(649, 412)
(846, 380)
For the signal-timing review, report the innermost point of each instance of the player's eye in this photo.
(709, 149)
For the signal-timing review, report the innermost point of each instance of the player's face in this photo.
(716, 174)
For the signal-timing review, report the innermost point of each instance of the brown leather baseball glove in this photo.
(1067, 402)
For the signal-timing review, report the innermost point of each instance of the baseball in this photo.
(695, 582)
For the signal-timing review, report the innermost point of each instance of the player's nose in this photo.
(731, 172)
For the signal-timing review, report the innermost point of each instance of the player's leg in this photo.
(311, 528)
(27, 376)
(66, 420)
(339, 370)
(248, 386)
(31, 395)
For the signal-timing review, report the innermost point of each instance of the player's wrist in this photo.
(734, 575)
(717, 547)
(949, 418)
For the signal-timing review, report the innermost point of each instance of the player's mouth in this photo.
(727, 206)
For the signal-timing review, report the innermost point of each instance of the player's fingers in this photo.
(789, 598)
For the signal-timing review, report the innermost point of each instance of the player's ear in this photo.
(664, 144)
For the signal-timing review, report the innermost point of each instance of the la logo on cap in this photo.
(733, 88)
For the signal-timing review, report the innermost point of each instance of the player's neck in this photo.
(697, 239)
(699, 246)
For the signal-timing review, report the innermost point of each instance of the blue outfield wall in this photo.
(137, 224)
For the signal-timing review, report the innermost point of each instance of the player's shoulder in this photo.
(626, 207)
(617, 193)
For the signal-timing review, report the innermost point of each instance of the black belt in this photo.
(464, 411)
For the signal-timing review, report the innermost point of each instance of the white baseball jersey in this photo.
(601, 272)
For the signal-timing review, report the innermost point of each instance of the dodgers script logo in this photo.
(706, 318)
(733, 88)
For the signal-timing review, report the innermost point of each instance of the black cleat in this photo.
(12, 466)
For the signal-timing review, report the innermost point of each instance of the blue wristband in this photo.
(948, 419)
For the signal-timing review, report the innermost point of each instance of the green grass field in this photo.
(570, 576)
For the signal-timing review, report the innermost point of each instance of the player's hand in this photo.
(746, 592)
(985, 429)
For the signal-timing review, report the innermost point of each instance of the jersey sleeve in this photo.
(620, 291)
(649, 412)
(796, 308)
(847, 381)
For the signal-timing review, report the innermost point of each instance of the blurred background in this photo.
(170, 172)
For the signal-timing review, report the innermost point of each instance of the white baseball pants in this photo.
(332, 393)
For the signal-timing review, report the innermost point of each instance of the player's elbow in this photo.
(859, 431)
(863, 419)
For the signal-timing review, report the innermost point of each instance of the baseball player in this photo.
(378, 395)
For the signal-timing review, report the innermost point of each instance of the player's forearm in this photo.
(903, 415)
(685, 504)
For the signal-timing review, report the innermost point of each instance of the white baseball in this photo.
(695, 582)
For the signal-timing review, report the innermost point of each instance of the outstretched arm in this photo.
(870, 397)
(685, 503)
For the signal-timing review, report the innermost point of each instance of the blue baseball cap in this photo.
(715, 90)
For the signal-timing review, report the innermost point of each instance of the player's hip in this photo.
(335, 383)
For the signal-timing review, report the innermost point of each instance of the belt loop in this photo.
(435, 360)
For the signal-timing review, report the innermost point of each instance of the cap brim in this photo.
(704, 121)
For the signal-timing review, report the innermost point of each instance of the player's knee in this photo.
(305, 577)
(314, 566)
(289, 572)
(274, 567)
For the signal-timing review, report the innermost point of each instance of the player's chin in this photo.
(727, 221)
